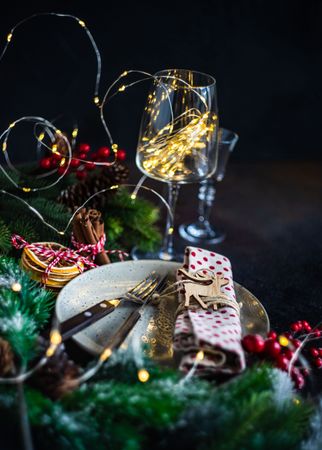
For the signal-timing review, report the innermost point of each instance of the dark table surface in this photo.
(272, 213)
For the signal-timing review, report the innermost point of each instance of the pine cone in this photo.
(6, 357)
(74, 196)
(58, 376)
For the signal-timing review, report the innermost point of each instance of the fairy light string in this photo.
(168, 138)
(169, 144)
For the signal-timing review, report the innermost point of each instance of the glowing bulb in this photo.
(106, 354)
(55, 337)
(200, 355)
(9, 37)
(12, 124)
(115, 186)
(82, 23)
(143, 375)
(283, 341)
(114, 148)
(16, 287)
(96, 100)
(26, 189)
(133, 196)
(61, 233)
(58, 132)
(51, 350)
(296, 401)
(74, 133)
(4, 146)
(62, 161)
(54, 149)
(41, 136)
(122, 88)
(124, 73)
(170, 230)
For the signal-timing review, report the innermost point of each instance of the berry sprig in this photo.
(82, 161)
(288, 351)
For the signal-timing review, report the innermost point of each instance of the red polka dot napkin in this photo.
(216, 333)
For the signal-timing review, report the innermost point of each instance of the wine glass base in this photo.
(137, 254)
(198, 234)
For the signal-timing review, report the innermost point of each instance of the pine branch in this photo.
(22, 314)
(5, 235)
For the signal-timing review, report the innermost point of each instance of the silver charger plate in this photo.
(156, 326)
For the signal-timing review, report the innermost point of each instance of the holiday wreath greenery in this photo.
(114, 410)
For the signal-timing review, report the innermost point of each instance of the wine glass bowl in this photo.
(179, 127)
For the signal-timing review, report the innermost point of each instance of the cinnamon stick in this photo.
(88, 228)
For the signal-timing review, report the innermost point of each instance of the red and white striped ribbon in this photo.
(62, 255)
(95, 249)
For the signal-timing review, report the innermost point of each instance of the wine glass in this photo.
(178, 138)
(202, 231)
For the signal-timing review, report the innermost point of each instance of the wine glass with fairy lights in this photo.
(178, 138)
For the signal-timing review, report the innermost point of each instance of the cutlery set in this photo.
(141, 295)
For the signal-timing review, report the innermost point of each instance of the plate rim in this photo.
(89, 347)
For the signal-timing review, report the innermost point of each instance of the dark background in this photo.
(265, 56)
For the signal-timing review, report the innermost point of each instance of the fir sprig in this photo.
(22, 313)
(166, 413)
(131, 222)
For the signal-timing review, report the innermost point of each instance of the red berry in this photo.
(288, 353)
(314, 352)
(318, 362)
(295, 327)
(272, 334)
(45, 163)
(74, 163)
(61, 170)
(306, 325)
(81, 174)
(121, 155)
(104, 152)
(299, 381)
(317, 333)
(272, 348)
(82, 155)
(90, 165)
(253, 343)
(84, 147)
(57, 156)
(300, 325)
(305, 371)
(296, 343)
(282, 362)
(320, 351)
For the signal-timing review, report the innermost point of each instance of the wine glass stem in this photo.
(207, 192)
(167, 248)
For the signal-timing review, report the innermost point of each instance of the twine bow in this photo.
(95, 249)
(54, 256)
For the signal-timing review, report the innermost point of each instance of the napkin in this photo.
(213, 337)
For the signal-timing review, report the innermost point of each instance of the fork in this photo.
(133, 317)
(89, 316)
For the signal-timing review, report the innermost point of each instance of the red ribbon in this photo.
(95, 249)
(65, 254)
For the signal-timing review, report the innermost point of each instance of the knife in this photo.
(87, 317)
